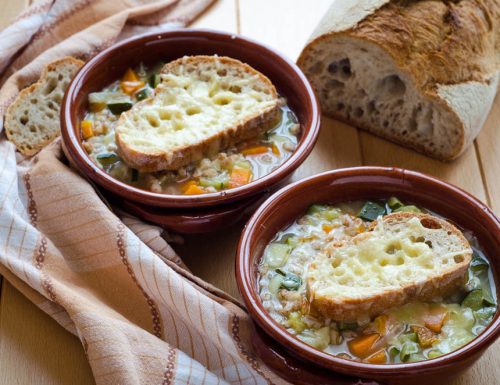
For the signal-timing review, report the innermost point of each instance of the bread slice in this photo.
(32, 120)
(420, 73)
(203, 105)
(403, 257)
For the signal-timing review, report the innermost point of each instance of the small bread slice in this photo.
(403, 257)
(203, 105)
(32, 120)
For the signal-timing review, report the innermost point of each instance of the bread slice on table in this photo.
(202, 105)
(420, 73)
(403, 257)
(32, 120)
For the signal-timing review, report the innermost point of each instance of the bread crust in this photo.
(436, 44)
(451, 280)
(251, 127)
(25, 94)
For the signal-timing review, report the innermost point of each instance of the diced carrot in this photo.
(239, 177)
(327, 228)
(361, 228)
(129, 87)
(381, 324)
(87, 129)
(426, 338)
(435, 319)
(255, 150)
(379, 357)
(130, 76)
(193, 189)
(362, 346)
(276, 150)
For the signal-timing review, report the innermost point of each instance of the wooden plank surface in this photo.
(35, 349)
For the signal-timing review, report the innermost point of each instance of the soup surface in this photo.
(413, 332)
(234, 167)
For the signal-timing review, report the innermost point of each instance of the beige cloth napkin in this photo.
(113, 282)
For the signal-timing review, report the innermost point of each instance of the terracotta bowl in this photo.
(216, 208)
(283, 207)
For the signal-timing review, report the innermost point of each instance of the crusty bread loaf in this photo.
(32, 120)
(404, 257)
(420, 73)
(203, 105)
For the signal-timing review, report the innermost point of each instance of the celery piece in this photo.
(394, 203)
(434, 354)
(408, 209)
(275, 284)
(407, 350)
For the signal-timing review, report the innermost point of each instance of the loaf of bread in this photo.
(420, 73)
(32, 120)
(403, 257)
(203, 105)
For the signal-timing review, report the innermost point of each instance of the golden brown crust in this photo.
(451, 280)
(433, 42)
(250, 128)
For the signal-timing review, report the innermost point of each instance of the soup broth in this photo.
(415, 331)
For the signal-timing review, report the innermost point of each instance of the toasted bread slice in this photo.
(32, 120)
(403, 257)
(203, 105)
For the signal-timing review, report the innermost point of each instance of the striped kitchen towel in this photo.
(113, 281)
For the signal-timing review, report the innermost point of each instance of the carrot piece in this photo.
(425, 337)
(255, 150)
(381, 324)
(435, 319)
(276, 150)
(129, 87)
(239, 177)
(87, 129)
(193, 189)
(327, 228)
(362, 346)
(130, 76)
(379, 357)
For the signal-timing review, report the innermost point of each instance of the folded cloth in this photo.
(112, 281)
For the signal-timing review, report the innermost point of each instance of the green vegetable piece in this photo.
(243, 164)
(478, 264)
(434, 354)
(393, 351)
(408, 337)
(291, 282)
(416, 357)
(408, 209)
(281, 272)
(118, 107)
(315, 209)
(371, 211)
(347, 325)
(485, 314)
(407, 350)
(219, 182)
(276, 254)
(107, 158)
(394, 203)
(154, 80)
(474, 300)
(142, 94)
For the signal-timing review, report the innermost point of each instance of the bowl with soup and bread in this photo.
(189, 128)
(371, 272)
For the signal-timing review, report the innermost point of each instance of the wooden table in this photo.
(34, 349)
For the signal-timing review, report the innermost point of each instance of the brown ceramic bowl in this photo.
(286, 205)
(110, 64)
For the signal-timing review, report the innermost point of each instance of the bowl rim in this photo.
(308, 353)
(79, 156)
